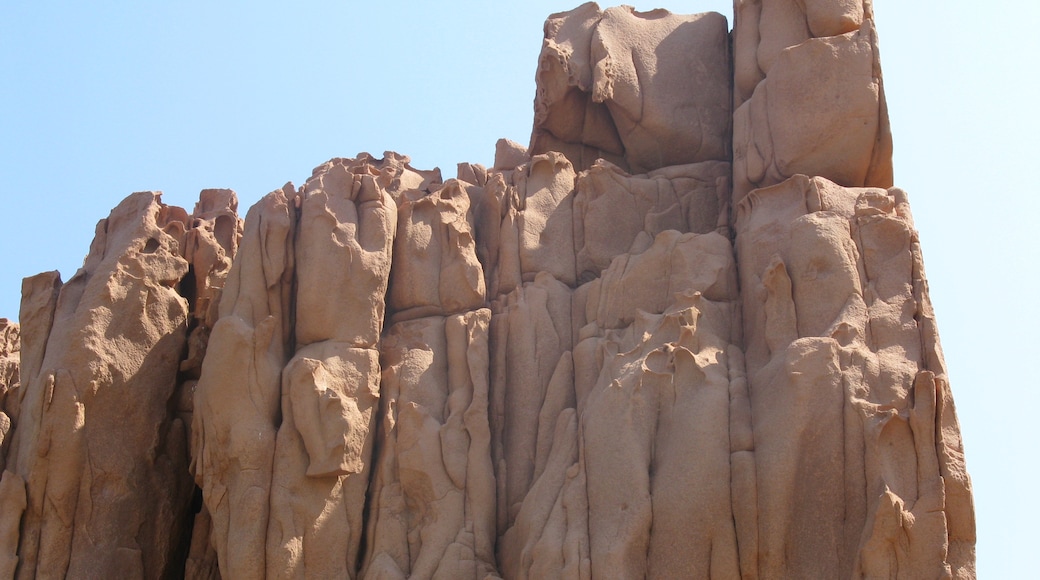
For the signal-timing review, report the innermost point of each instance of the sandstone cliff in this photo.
(685, 333)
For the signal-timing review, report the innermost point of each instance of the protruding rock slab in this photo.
(323, 451)
(602, 93)
(859, 459)
(528, 223)
(345, 241)
(810, 96)
(435, 269)
(103, 462)
(237, 401)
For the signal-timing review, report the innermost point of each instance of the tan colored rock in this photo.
(433, 495)
(764, 28)
(820, 111)
(201, 562)
(613, 208)
(330, 387)
(509, 154)
(546, 224)
(345, 242)
(847, 389)
(596, 99)
(95, 507)
(238, 397)
(10, 350)
(657, 453)
(528, 223)
(396, 174)
(12, 506)
(531, 336)
(432, 500)
(610, 355)
(809, 94)
(549, 536)
(286, 476)
(25, 351)
(648, 281)
(330, 392)
(209, 247)
(36, 314)
(656, 423)
(435, 269)
(593, 488)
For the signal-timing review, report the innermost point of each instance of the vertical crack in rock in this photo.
(104, 371)
(686, 333)
(598, 95)
(237, 399)
(856, 368)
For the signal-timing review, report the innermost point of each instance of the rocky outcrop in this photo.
(599, 93)
(620, 352)
(809, 94)
(10, 358)
(847, 384)
(96, 457)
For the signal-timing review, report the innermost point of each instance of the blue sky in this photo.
(98, 100)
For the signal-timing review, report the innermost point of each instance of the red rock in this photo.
(618, 353)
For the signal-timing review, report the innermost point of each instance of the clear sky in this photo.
(98, 100)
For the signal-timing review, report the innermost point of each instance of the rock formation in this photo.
(684, 334)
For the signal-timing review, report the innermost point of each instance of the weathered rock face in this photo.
(644, 90)
(96, 454)
(10, 357)
(808, 93)
(849, 394)
(622, 352)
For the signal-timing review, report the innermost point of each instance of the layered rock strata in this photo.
(646, 346)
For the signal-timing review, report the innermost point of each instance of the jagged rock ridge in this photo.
(685, 333)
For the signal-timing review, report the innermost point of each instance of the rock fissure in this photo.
(684, 334)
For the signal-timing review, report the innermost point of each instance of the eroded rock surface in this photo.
(848, 384)
(238, 398)
(809, 94)
(644, 90)
(10, 357)
(620, 352)
(99, 458)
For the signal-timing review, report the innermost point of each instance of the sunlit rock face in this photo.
(685, 333)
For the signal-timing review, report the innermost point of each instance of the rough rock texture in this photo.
(618, 353)
(234, 425)
(96, 454)
(599, 93)
(10, 356)
(847, 384)
(809, 94)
